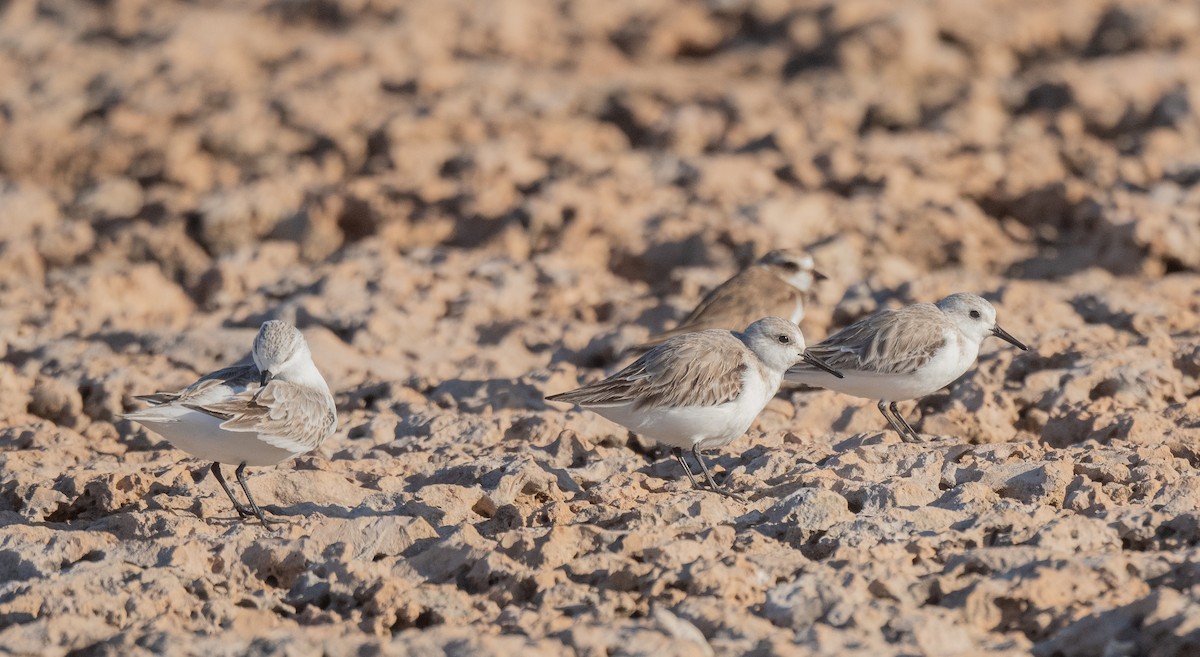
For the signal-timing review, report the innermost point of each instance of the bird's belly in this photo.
(939, 372)
(884, 387)
(708, 426)
(201, 435)
(711, 426)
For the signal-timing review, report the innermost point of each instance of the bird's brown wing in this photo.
(241, 375)
(283, 414)
(701, 369)
(735, 304)
(888, 342)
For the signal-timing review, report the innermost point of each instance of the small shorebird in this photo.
(908, 353)
(775, 285)
(699, 390)
(262, 412)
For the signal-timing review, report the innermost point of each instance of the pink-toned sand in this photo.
(467, 205)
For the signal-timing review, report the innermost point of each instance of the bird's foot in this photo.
(737, 497)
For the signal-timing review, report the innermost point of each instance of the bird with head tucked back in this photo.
(699, 390)
(261, 411)
(902, 354)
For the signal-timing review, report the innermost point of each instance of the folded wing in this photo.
(888, 342)
(211, 387)
(751, 295)
(286, 415)
(705, 369)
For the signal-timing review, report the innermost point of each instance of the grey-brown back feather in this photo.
(706, 368)
(754, 293)
(888, 342)
(239, 376)
(295, 413)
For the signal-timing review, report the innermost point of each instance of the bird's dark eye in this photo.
(790, 266)
(783, 339)
(974, 314)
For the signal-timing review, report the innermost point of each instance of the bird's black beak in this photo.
(818, 276)
(1003, 335)
(266, 376)
(813, 360)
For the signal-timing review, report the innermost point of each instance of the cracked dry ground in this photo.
(466, 205)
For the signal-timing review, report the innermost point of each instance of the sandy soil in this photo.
(466, 205)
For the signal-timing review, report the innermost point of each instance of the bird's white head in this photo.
(779, 344)
(280, 352)
(975, 317)
(792, 265)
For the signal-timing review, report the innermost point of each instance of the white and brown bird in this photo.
(699, 390)
(263, 410)
(777, 284)
(902, 354)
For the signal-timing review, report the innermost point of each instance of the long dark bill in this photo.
(817, 362)
(1004, 335)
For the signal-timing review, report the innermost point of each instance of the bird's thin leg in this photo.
(883, 408)
(241, 477)
(678, 452)
(916, 437)
(708, 475)
(237, 506)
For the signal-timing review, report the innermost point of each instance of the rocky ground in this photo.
(466, 205)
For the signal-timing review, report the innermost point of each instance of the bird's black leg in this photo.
(916, 437)
(708, 475)
(237, 506)
(883, 408)
(241, 477)
(678, 452)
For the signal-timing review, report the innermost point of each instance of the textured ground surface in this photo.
(467, 204)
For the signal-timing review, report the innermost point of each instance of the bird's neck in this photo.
(773, 377)
(968, 347)
(305, 374)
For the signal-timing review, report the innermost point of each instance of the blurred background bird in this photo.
(777, 284)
